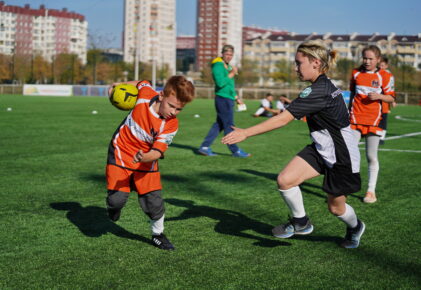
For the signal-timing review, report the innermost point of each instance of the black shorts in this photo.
(383, 121)
(338, 180)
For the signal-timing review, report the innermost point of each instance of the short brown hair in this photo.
(182, 88)
(227, 47)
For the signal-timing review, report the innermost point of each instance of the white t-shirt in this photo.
(280, 105)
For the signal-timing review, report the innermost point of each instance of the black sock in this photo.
(302, 221)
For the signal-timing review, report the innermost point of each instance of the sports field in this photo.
(220, 210)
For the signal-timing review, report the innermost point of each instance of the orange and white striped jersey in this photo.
(385, 105)
(363, 110)
(143, 129)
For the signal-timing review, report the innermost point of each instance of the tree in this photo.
(206, 74)
(67, 69)
(248, 73)
(343, 70)
(5, 68)
(282, 71)
(40, 70)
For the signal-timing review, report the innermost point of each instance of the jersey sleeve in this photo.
(145, 89)
(307, 103)
(388, 84)
(165, 137)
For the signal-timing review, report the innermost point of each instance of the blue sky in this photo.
(105, 17)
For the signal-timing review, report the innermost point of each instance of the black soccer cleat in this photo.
(353, 236)
(114, 214)
(161, 242)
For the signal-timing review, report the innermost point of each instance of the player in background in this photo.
(137, 144)
(282, 103)
(370, 86)
(333, 153)
(384, 65)
(266, 107)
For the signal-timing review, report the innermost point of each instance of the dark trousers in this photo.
(224, 120)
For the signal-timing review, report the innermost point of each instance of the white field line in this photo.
(406, 119)
(398, 137)
(396, 150)
(403, 136)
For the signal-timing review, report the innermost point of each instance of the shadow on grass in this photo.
(99, 178)
(93, 221)
(229, 222)
(194, 149)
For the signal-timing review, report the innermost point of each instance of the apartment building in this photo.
(268, 49)
(43, 31)
(150, 32)
(219, 22)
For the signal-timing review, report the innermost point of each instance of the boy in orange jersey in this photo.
(138, 143)
(369, 88)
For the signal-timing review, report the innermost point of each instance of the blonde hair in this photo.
(317, 50)
(182, 88)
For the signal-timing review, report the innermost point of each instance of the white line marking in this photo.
(403, 136)
(396, 150)
(397, 137)
(406, 119)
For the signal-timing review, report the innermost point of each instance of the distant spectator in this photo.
(266, 107)
(223, 75)
(282, 103)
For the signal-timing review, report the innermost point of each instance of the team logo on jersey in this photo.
(375, 83)
(305, 93)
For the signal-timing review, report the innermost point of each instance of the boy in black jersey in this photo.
(333, 153)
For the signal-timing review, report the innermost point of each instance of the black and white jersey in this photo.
(328, 121)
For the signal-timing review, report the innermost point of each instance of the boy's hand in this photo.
(138, 156)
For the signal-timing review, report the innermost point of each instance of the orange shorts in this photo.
(366, 129)
(122, 179)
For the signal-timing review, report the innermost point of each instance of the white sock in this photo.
(383, 135)
(372, 145)
(294, 200)
(157, 226)
(349, 217)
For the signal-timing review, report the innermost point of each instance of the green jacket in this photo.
(224, 85)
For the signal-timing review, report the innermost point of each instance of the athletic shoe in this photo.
(290, 228)
(241, 154)
(161, 242)
(352, 237)
(114, 214)
(370, 197)
(206, 151)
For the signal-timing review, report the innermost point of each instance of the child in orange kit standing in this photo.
(370, 87)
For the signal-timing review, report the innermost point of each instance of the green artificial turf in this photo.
(219, 210)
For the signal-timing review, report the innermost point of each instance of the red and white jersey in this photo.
(363, 110)
(143, 129)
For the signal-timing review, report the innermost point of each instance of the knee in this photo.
(336, 210)
(116, 199)
(152, 205)
(284, 182)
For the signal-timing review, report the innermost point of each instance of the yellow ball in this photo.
(124, 97)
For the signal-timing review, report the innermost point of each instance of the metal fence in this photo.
(409, 98)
